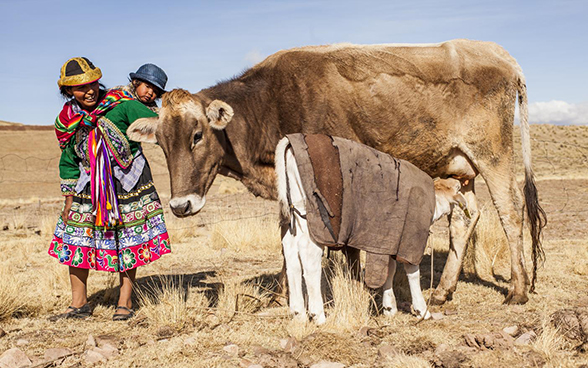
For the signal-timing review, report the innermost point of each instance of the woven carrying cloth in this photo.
(386, 204)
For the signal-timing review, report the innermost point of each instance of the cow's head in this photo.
(189, 129)
(447, 194)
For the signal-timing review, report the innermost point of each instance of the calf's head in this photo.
(189, 129)
(447, 194)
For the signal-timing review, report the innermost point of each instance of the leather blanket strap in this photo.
(327, 175)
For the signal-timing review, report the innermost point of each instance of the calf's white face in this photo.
(447, 195)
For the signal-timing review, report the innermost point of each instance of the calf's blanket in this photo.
(365, 199)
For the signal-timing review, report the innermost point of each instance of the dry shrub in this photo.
(487, 252)
(165, 304)
(549, 342)
(47, 224)
(18, 220)
(237, 297)
(579, 264)
(407, 361)
(16, 295)
(351, 300)
(254, 234)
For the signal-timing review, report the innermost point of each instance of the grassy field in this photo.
(208, 304)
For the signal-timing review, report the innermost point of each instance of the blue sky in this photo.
(199, 43)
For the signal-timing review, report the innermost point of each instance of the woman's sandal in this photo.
(123, 316)
(82, 312)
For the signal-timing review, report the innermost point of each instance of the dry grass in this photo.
(549, 342)
(15, 296)
(166, 304)
(247, 235)
(487, 253)
(407, 361)
(351, 300)
(218, 280)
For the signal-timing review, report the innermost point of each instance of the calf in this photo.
(303, 255)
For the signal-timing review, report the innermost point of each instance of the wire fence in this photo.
(17, 169)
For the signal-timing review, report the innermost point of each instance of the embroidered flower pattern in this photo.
(77, 258)
(144, 254)
(64, 254)
(92, 257)
(127, 259)
(139, 242)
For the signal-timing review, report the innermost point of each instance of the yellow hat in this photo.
(77, 71)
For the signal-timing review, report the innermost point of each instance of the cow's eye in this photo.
(197, 138)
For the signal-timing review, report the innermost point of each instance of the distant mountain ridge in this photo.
(7, 123)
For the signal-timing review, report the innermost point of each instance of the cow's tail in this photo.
(280, 161)
(535, 214)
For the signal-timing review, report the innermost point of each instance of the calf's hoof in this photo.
(299, 317)
(513, 298)
(390, 312)
(427, 315)
(318, 319)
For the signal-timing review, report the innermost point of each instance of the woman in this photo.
(112, 218)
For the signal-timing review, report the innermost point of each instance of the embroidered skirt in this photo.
(141, 239)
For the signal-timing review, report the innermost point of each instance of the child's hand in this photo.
(66, 209)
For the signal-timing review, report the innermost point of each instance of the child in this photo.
(147, 85)
(112, 218)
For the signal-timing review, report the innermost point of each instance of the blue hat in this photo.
(151, 73)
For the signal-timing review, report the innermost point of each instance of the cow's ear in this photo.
(143, 130)
(219, 114)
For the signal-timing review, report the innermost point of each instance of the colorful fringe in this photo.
(104, 201)
(68, 120)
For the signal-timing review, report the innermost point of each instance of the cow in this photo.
(301, 246)
(446, 107)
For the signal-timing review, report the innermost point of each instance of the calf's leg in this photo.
(388, 297)
(414, 282)
(311, 255)
(294, 275)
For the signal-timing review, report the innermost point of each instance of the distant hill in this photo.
(6, 125)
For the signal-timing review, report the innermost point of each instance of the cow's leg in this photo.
(414, 282)
(311, 255)
(290, 245)
(460, 229)
(388, 297)
(508, 201)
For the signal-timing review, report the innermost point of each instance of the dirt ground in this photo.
(209, 303)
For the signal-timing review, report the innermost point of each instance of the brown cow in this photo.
(448, 108)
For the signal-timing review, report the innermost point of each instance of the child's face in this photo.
(86, 95)
(146, 92)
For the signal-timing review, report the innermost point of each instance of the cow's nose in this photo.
(181, 209)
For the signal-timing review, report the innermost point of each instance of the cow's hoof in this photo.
(438, 298)
(513, 298)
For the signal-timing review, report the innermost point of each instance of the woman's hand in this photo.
(66, 209)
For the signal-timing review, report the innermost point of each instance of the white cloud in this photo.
(253, 57)
(558, 112)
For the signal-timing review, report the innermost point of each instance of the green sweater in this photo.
(122, 115)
